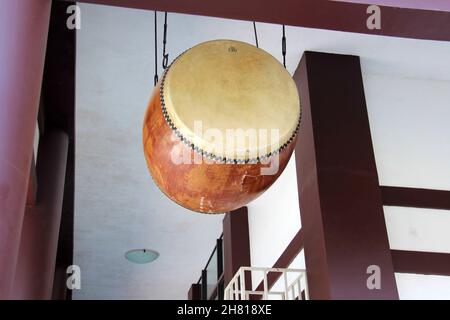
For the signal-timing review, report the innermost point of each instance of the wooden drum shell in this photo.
(206, 187)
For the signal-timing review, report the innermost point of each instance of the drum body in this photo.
(187, 164)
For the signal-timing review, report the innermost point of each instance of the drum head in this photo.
(231, 100)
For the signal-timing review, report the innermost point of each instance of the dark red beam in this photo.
(429, 263)
(421, 262)
(340, 200)
(397, 21)
(195, 292)
(37, 261)
(236, 244)
(417, 198)
(441, 5)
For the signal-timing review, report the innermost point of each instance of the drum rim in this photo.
(211, 155)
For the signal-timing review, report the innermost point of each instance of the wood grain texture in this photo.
(202, 186)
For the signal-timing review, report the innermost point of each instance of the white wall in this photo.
(274, 219)
(410, 125)
(422, 287)
(419, 230)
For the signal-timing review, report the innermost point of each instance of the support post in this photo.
(195, 292)
(23, 36)
(37, 256)
(340, 199)
(236, 244)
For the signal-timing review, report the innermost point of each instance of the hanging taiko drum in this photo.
(221, 126)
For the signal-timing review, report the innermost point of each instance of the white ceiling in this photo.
(117, 205)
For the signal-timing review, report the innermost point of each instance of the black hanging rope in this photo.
(283, 46)
(156, 50)
(256, 34)
(165, 55)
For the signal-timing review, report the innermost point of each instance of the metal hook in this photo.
(156, 49)
(283, 46)
(165, 61)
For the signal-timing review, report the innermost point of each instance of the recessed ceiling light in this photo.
(141, 256)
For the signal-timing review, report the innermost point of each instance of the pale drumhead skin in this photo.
(219, 87)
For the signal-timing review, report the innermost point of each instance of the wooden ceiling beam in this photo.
(406, 19)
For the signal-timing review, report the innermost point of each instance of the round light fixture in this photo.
(141, 256)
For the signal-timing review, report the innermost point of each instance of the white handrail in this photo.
(236, 289)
